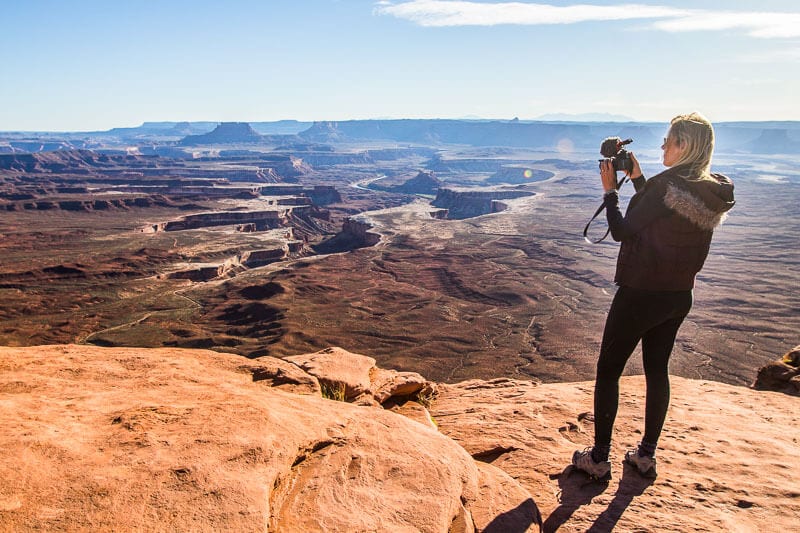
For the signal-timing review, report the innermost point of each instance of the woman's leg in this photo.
(657, 344)
(620, 337)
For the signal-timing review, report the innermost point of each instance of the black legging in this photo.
(654, 318)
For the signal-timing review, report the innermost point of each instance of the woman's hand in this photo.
(608, 175)
(636, 172)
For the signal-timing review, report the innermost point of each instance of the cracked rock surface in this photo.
(128, 439)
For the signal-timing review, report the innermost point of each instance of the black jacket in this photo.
(666, 231)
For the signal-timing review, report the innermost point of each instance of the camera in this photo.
(612, 148)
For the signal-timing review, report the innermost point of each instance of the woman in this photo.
(665, 235)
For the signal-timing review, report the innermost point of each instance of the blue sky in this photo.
(87, 65)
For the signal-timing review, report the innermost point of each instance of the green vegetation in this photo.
(333, 390)
(425, 397)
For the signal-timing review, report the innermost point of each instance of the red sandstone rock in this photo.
(416, 412)
(389, 383)
(365, 384)
(168, 439)
(505, 506)
(281, 374)
(335, 365)
(727, 459)
(126, 439)
(782, 375)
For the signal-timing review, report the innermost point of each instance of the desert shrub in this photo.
(333, 390)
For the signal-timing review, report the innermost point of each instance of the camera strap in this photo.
(596, 214)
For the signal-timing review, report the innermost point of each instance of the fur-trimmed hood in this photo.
(704, 203)
(667, 230)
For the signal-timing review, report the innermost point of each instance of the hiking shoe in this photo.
(582, 460)
(646, 466)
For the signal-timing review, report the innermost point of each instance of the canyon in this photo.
(387, 325)
(435, 246)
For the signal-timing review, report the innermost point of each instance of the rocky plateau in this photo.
(130, 439)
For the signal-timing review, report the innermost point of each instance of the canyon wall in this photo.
(359, 230)
(467, 204)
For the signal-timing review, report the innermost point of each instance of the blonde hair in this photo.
(695, 134)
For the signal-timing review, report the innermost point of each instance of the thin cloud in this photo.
(755, 24)
(440, 13)
(457, 13)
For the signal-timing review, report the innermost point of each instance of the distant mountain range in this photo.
(747, 137)
(181, 129)
(768, 137)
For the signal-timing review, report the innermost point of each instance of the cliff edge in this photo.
(125, 439)
(168, 439)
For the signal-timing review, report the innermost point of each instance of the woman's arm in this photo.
(648, 208)
(648, 204)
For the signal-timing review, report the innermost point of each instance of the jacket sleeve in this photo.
(639, 183)
(642, 211)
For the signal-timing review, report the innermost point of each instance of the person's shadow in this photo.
(518, 520)
(630, 486)
(578, 490)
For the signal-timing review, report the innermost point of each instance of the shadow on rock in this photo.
(576, 490)
(518, 520)
(630, 486)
